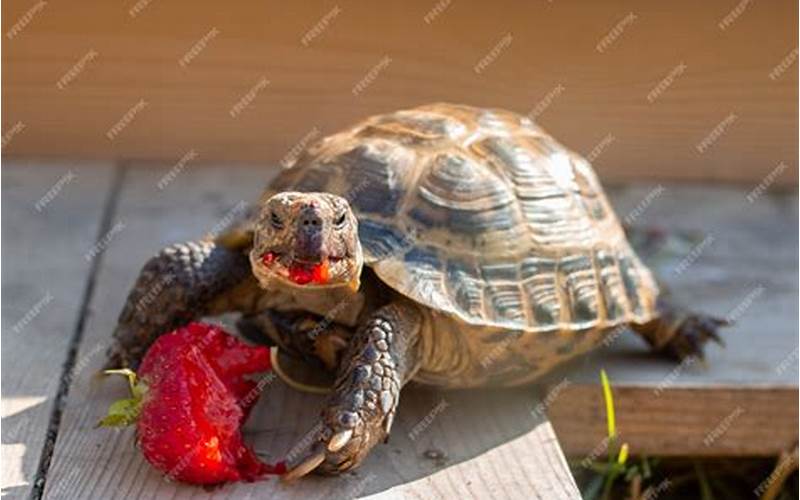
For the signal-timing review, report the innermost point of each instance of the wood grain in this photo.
(264, 77)
(51, 214)
(745, 401)
(515, 454)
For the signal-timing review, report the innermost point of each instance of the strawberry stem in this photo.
(127, 372)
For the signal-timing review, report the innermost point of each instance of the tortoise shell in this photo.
(480, 214)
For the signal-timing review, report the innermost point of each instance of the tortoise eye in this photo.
(276, 221)
(340, 220)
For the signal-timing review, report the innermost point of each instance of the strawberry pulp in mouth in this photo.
(302, 273)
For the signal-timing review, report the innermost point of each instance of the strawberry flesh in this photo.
(268, 258)
(196, 401)
(303, 274)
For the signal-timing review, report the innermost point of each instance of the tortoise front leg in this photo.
(181, 283)
(381, 357)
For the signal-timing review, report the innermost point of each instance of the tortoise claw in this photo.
(692, 335)
(339, 440)
(307, 465)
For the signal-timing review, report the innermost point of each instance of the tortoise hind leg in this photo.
(680, 333)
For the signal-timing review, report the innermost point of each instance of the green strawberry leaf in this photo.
(125, 411)
(121, 413)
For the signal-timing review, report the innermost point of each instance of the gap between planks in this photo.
(65, 380)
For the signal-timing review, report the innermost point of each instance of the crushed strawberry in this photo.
(321, 273)
(268, 258)
(318, 273)
(190, 400)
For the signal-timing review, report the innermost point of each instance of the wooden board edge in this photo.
(719, 421)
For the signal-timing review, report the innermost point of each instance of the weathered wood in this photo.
(493, 445)
(641, 85)
(745, 402)
(51, 213)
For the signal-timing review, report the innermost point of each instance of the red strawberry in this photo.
(189, 402)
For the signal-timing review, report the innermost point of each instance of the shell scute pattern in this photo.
(481, 215)
(580, 288)
(460, 196)
(466, 286)
(415, 128)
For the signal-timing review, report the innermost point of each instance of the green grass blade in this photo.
(609, 398)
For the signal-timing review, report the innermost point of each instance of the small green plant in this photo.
(617, 465)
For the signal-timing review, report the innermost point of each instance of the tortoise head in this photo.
(307, 240)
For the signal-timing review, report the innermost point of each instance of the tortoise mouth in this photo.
(323, 271)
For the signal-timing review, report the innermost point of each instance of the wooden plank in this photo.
(515, 454)
(51, 213)
(686, 92)
(745, 402)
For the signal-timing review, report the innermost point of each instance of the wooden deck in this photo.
(76, 236)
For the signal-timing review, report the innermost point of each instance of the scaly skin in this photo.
(176, 286)
(296, 233)
(382, 356)
(678, 333)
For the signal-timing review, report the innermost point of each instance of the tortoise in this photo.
(447, 244)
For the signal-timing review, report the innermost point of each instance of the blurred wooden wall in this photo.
(649, 89)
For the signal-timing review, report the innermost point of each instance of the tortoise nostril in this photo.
(310, 218)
